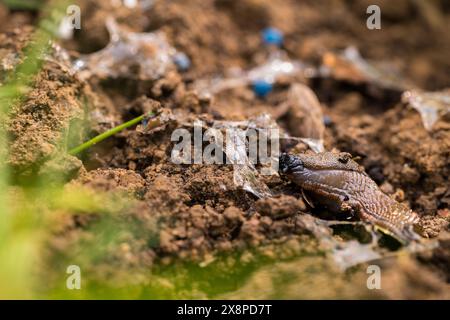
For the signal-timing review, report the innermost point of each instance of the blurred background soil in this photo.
(195, 213)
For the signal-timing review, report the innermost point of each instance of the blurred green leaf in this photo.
(24, 4)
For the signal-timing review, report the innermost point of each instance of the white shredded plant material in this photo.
(431, 105)
(150, 53)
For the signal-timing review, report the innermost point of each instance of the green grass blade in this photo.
(108, 134)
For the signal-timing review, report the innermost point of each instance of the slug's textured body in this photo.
(341, 184)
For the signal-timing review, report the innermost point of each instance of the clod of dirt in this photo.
(431, 226)
(51, 116)
(416, 155)
(280, 207)
(113, 180)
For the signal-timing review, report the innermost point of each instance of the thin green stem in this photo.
(108, 134)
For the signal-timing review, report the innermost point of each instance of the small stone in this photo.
(387, 188)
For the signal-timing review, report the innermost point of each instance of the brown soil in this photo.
(196, 212)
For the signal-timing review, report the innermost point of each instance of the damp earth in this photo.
(157, 229)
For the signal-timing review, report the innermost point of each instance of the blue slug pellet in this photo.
(327, 120)
(272, 36)
(262, 88)
(182, 61)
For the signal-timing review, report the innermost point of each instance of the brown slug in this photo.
(339, 183)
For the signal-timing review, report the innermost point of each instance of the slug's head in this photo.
(316, 162)
(289, 164)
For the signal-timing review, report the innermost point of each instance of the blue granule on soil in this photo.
(272, 36)
(182, 61)
(262, 88)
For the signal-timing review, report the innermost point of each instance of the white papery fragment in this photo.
(431, 105)
(145, 56)
(277, 65)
